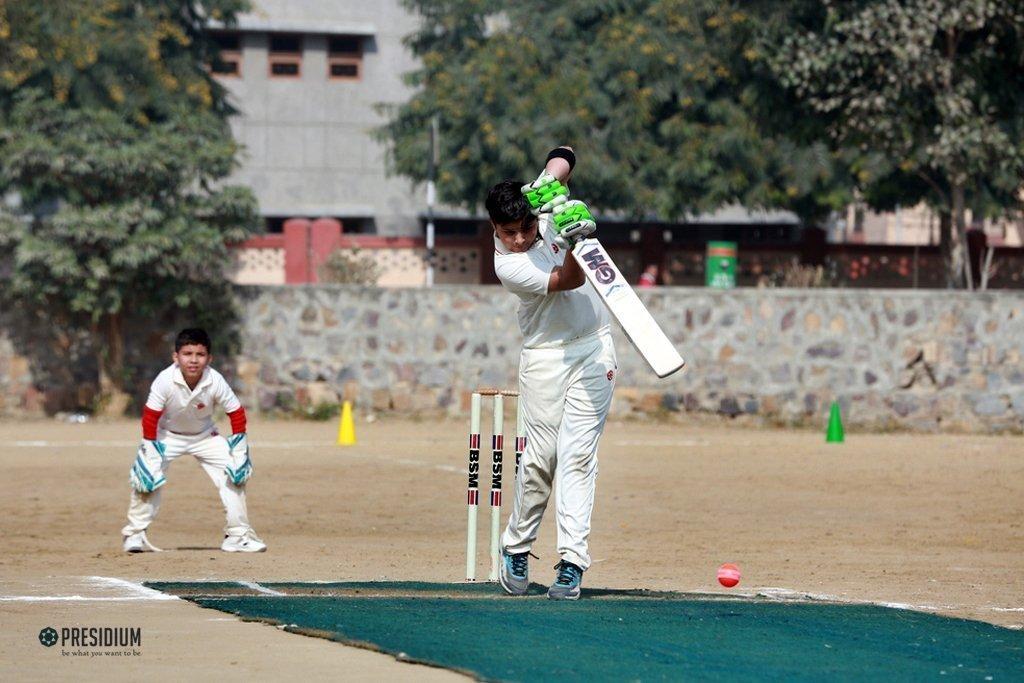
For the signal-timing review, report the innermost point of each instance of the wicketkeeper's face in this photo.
(517, 236)
(192, 359)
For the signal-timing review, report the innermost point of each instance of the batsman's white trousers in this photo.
(565, 393)
(212, 453)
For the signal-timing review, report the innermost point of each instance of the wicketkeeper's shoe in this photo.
(514, 576)
(567, 582)
(138, 543)
(247, 543)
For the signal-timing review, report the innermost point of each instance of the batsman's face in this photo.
(192, 359)
(517, 236)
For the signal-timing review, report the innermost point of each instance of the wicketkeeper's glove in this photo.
(147, 474)
(573, 221)
(545, 193)
(239, 469)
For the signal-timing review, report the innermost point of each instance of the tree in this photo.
(113, 139)
(350, 268)
(663, 99)
(935, 88)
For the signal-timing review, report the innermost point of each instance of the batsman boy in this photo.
(566, 369)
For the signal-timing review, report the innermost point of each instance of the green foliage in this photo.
(141, 58)
(665, 101)
(321, 412)
(935, 85)
(114, 144)
(799, 275)
(932, 91)
(350, 268)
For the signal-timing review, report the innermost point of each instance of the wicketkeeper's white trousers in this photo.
(565, 393)
(212, 453)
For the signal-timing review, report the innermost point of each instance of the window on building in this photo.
(344, 58)
(360, 225)
(228, 60)
(285, 56)
(274, 224)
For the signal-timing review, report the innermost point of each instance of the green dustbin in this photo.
(720, 266)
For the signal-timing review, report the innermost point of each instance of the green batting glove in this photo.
(573, 221)
(545, 193)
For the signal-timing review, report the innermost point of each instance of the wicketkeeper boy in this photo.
(178, 420)
(566, 370)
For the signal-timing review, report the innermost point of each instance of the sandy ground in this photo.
(933, 522)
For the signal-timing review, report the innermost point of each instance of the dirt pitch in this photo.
(932, 522)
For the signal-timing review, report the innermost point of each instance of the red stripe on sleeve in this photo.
(150, 419)
(237, 421)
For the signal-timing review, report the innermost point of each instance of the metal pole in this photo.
(431, 198)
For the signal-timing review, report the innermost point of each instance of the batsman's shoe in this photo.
(567, 582)
(514, 576)
(138, 543)
(249, 543)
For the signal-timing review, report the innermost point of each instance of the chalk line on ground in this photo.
(264, 445)
(686, 443)
(258, 588)
(122, 589)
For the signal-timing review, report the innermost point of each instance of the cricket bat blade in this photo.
(618, 296)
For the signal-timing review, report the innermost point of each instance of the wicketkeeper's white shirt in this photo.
(554, 319)
(190, 411)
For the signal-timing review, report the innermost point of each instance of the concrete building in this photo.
(307, 77)
(919, 225)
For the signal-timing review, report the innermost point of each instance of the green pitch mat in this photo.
(624, 635)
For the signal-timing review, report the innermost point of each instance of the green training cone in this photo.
(835, 425)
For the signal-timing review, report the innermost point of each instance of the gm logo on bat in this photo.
(602, 269)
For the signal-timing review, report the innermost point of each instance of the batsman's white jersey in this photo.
(554, 319)
(566, 377)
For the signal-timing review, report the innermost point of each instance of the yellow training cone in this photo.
(346, 428)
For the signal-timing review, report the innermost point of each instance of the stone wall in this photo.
(923, 360)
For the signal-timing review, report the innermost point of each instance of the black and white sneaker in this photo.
(567, 582)
(514, 576)
(247, 543)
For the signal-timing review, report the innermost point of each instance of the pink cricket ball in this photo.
(728, 575)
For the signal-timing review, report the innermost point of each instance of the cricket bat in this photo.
(636, 321)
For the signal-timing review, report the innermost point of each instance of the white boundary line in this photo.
(128, 591)
(43, 443)
(268, 445)
(789, 595)
(258, 588)
(291, 445)
(685, 443)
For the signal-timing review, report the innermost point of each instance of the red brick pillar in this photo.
(325, 238)
(297, 251)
